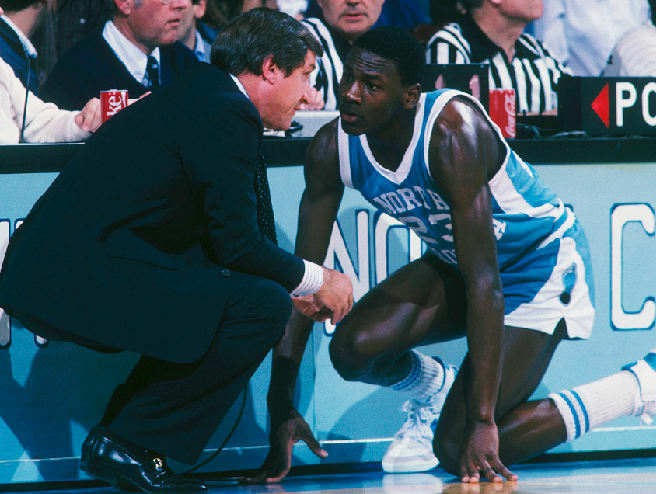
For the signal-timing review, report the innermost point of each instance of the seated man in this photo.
(153, 225)
(189, 35)
(506, 267)
(20, 20)
(491, 32)
(634, 55)
(340, 23)
(581, 35)
(40, 122)
(136, 50)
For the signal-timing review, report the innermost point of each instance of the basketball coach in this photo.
(149, 241)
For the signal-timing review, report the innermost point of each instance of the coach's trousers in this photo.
(172, 408)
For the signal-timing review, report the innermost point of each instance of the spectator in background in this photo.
(401, 13)
(71, 21)
(22, 18)
(254, 4)
(36, 121)
(219, 12)
(634, 54)
(491, 31)
(340, 22)
(581, 34)
(189, 35)
(136, 50)
(294, 8)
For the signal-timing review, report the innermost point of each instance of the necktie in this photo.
(152, 72)
(265, 218)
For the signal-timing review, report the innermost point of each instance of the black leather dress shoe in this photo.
(130, 467)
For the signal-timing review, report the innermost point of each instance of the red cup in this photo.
(502, 110)
(112, 101)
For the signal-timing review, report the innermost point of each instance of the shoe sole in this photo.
(122, 483)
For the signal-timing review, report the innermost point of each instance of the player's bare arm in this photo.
(464, 154)
(317, 212)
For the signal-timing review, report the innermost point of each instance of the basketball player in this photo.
(506, 266)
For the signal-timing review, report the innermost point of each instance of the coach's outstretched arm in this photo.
(317, 212)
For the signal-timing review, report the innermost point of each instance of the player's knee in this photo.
(346, 359)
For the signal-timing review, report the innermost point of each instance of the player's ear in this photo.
(411, 96)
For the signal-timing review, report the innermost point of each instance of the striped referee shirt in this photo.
(328, 72)
(533, 72)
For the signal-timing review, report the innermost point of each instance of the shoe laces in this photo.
(417, 425)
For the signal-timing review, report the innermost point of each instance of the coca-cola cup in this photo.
(502, 110)
(112, 101)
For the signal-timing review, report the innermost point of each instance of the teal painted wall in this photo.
(53, 393)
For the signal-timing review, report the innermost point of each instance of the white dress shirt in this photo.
(132, 57)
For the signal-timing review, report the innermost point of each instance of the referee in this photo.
(492, 33)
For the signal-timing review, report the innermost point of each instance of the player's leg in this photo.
(631, 391)
(530, 428)
(524, 428)
(421, 303)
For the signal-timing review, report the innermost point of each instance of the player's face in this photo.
(153, 23)
(523, 11)
(288, 93)
(351, 17)
(370, 92)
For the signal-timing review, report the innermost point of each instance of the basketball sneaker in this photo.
(412, 447)
(645, 372)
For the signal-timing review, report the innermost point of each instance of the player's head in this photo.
(381, 77)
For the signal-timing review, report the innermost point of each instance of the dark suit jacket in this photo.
(91, 66)
(132, 245)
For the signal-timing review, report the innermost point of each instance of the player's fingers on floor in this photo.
(489, 473)
(501, 469)
(313, 444)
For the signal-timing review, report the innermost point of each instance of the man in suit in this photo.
(136, 50)
(148, 241)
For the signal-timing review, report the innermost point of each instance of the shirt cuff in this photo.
(311, 282)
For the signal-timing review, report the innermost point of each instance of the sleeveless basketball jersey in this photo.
(542, 251)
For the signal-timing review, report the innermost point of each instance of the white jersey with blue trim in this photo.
(542, 251)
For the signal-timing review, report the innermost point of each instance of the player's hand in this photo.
(309, 307)
(89, 117)
(479, 455)
(336, 294)
(279, 460)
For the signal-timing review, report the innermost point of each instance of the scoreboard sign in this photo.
(608, 105)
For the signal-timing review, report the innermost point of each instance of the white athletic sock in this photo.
(426, 377)
(591, 405)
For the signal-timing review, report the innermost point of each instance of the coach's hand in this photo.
(336, 294)
(279, 460)
(480, 455)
